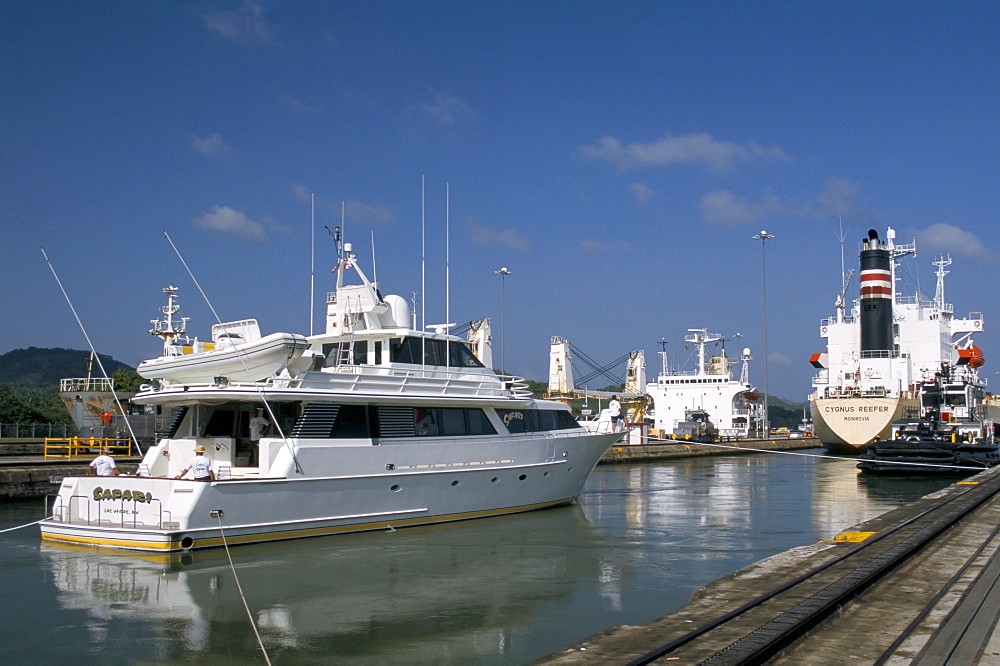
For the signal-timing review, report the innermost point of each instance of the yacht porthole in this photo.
(455, 482)
(493, 480)
(523, 477)
(187, 542)
(394, 487)
(545, 474)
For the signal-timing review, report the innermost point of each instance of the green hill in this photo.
(42, 368)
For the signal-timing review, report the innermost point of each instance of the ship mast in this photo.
(941, 264)
(165, 328)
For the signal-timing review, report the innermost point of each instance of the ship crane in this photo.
(839, 304)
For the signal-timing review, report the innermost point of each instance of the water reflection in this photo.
(504, 590)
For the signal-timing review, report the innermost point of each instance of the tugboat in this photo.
(951, 437)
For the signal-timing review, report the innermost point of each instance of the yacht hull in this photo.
(392, 487)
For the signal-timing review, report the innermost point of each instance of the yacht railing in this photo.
(385, 380)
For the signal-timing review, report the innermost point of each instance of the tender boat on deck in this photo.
(374, 426)
(237, 350)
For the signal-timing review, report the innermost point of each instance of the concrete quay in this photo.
(928, 595)
(667, 449)
(25, 473)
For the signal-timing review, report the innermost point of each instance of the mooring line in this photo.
(815, 455)
(11, 529)
(218, 516)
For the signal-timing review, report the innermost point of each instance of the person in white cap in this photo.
(200, 466)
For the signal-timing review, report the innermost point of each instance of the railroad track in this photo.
(761, 628)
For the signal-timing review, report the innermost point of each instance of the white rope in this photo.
(813, 455)
(11, 529)
(240, 588)
(93, 351)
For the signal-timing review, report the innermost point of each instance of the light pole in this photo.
(763, 237)
(503, 273)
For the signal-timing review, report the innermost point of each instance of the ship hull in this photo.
(846, 425)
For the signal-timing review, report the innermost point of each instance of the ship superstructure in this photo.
(730, 402)
(879, 353)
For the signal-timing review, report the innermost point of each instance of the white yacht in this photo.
(374, 426)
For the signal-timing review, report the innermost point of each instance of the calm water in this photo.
(497, 591)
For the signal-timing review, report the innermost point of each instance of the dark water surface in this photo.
(504, 590)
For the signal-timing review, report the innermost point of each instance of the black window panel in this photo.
(479, 423)
(565, 420)
(453, 421)
(351, 423)
(220, 424)
(435, 352)
(427, 421)
(546, 419)
(460, 356)
(360, 352)
(378, 352)
(407, 350)
(536, 420)
(514, 419)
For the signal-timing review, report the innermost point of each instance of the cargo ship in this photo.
(880, 351)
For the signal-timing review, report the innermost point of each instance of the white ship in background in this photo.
(878, 355)
(679, 398)
(729, 402)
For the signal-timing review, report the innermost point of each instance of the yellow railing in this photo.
(75, 447)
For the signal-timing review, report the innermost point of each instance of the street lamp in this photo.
(763, 237)
(503, 273)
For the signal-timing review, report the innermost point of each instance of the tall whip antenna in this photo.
(312, 263)
(93, 352)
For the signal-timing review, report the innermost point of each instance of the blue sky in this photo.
(617, 157)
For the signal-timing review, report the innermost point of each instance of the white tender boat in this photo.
(374, 426)
(237, 350)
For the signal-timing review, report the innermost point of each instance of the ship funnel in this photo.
(876, 298)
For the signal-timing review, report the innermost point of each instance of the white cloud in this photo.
(246, 25)
(838, 197)
(724, 208)
(641, 191)
(357, 212)
(445, 110)
(953, 240)
(488, 237)
(230, 221)
(213, 144)
(777, 358)
(689, 149)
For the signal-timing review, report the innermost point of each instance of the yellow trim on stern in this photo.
(174, 542)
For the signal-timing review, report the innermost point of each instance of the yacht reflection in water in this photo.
(441, 592)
